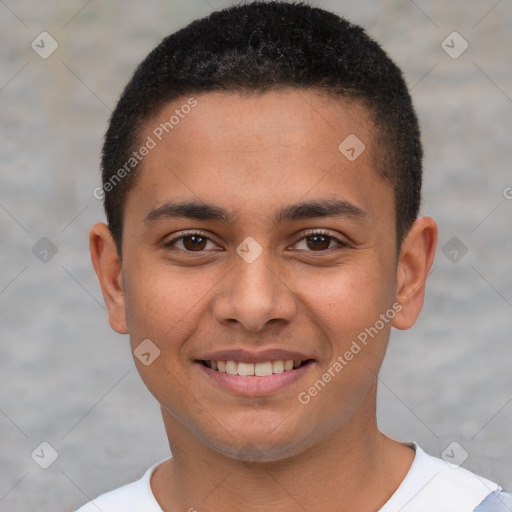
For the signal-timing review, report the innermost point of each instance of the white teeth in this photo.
(263, 369)
(231, 367)
(277, 366)
(246, 368)
(259, 369)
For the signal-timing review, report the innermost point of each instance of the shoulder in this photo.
(497, 501)
(131, 497)
(433, 484)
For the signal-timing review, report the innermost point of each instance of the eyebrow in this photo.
(199, 210)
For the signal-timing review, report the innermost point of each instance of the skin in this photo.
(253, 155)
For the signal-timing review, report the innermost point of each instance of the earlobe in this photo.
(107, 265)
(415, 260)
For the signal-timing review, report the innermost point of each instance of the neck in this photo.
(355, 468)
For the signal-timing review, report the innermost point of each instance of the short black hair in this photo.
(259, 47)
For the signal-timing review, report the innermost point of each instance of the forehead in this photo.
(247, 153)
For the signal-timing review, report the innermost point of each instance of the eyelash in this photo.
(308, 234)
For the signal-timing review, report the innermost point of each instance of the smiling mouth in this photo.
(263, 369)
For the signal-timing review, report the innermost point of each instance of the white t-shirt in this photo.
(430, 485)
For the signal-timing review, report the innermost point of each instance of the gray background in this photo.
(69, 380)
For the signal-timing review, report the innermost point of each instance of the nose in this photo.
(255, 294)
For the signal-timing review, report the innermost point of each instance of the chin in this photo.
(252, 449)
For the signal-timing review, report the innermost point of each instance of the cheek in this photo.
(348, 298)
(161, 301)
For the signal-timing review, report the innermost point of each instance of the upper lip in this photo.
(247, 356)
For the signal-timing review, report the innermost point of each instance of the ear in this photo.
(107, 265)
(414, 263)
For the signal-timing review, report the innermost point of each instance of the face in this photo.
(282, 264)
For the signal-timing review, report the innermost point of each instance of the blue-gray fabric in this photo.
(497, 501)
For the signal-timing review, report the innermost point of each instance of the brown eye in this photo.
(194, 242)
(321, 242)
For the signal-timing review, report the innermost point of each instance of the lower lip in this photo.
(252, 385)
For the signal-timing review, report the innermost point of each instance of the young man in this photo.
(262, 182)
